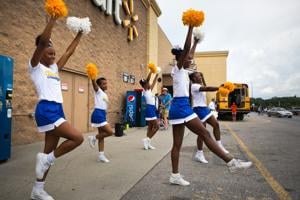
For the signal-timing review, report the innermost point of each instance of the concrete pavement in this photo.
(78, 175)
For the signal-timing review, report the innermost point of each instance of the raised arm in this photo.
(193, 49)
(203, 79)
(95, 86)
(70, 50)
(154, 82)
(149, 76)
(191, 53)
(43, 43)
(186, 50)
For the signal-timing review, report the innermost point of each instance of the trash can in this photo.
(119, 129)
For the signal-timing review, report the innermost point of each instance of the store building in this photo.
(121, 61)
(121, 57)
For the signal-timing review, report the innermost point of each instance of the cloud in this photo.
(262, 37)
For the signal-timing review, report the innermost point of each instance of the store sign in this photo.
(112, 7)
(107, 7)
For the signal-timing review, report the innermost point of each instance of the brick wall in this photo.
(106, 45)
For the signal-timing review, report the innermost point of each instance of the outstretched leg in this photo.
(217, 133)
(196, 126)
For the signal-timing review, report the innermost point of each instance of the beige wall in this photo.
(213, 65)
(164, 55)
(152, 48)
(107, 46)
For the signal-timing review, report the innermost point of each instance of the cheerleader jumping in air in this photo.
(181, 113)
(198, 91)
(151, 113)
(49, 113)
(98, 118)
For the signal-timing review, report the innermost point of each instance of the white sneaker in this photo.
(200, 158)
(40, 194)
(102, 158)
(42, 165)
(150, 146)
(177, 179)
(146, 143)
(223, 148)
(92, 141)
(235, 164)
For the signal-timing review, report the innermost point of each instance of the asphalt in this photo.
(211, 181)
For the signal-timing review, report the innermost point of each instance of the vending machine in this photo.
(135, 108)
(6, 89)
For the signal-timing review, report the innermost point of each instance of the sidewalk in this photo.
(78, 175)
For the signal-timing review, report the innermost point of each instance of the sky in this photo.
(262, 37)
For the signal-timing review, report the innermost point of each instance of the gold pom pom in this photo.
(152, 68)
(223, 91)
(193, 17)
(230, 86)
(56, 8)
(92, 71)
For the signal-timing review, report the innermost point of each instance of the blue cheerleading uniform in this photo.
(151, 112)
(180, 110)
(49, 110)
(199, 103)
(98, 118)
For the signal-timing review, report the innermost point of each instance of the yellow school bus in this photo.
(240, 96)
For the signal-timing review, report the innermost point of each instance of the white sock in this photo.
(39, 185)
(176, 175)
(199, 152)
(230, 162)
(101, 153)
(219, 142)
(51, 158)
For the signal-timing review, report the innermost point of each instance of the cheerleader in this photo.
(181, 114)
(198, 89)
(98, 118)
(151, 112)
(49, 113)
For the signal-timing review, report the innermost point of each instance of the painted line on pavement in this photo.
(281, 192)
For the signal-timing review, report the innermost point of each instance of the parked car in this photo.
(279, 112)
(295, 110)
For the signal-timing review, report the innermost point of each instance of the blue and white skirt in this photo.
(203, 113)
(181, 111)
(151, 113)
(98, 118)
(48, 115)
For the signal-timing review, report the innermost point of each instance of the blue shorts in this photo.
(203, 113)
(48, 115)
(151, 113)
(181, 111)
(98, 118)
